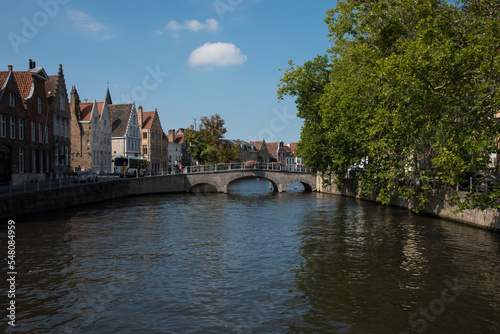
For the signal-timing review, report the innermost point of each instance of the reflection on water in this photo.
(250, 186)
(253, 185)
(253, 262)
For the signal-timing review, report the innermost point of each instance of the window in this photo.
(12, 127)
(3, 126)
(144, 150)
(21, 160)
(39, 105)
(46, 134)
(56, 126)
(144, 135)
(21, 129)
(41, 161)
(40, 134)
(33, 132)
(62, 102)
(56, 158)
(33, 161)
(12, 100)
(66, 155)
(61, 155)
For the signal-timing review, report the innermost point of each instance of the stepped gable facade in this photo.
(90, 135)
(154, 142)
(263, 156)
(57, 97)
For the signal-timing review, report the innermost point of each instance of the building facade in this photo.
(126, 133)
(90, 135)
(263, 155)
(57, 97)
(154, 142)
(25, 126)
(13, 139)
(279, 152)
(174, 151)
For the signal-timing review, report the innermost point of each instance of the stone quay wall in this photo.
(438, 206)
(55, 199)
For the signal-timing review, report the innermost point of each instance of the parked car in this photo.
(84, 176)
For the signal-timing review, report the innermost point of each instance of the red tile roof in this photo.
(3, 78)
(272, 148)
(86, 110)
(179, 139)
(24, 82)
(147, 119)
(257, 144)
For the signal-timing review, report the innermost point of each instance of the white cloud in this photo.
(217, 54)
(91, 28)
(210, 25)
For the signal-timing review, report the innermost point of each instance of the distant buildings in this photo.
(47, 133)
(175, 150)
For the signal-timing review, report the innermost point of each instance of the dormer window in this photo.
(12, 100)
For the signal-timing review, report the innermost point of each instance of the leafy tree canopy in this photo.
(407, 93)
(206, 144)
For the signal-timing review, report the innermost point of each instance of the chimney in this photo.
(171, 135)
(140, 116)
(10, 68)
(30, 64)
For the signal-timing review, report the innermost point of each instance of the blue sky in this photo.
(186, 58)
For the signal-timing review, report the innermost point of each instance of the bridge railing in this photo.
(242, 166)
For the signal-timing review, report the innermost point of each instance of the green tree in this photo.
(206, 143)
(410, 95)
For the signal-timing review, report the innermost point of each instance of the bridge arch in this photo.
(254, 177)
(307, 186)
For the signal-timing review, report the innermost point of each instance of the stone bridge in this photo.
(221, 179)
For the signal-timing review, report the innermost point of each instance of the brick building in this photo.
(154, 142)
(25, 125)
(90, 135)
(13, 116)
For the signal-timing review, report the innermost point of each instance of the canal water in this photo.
(251, 262)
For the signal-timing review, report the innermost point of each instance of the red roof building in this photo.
(25, 125)
(154, 141)
(90, 135)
